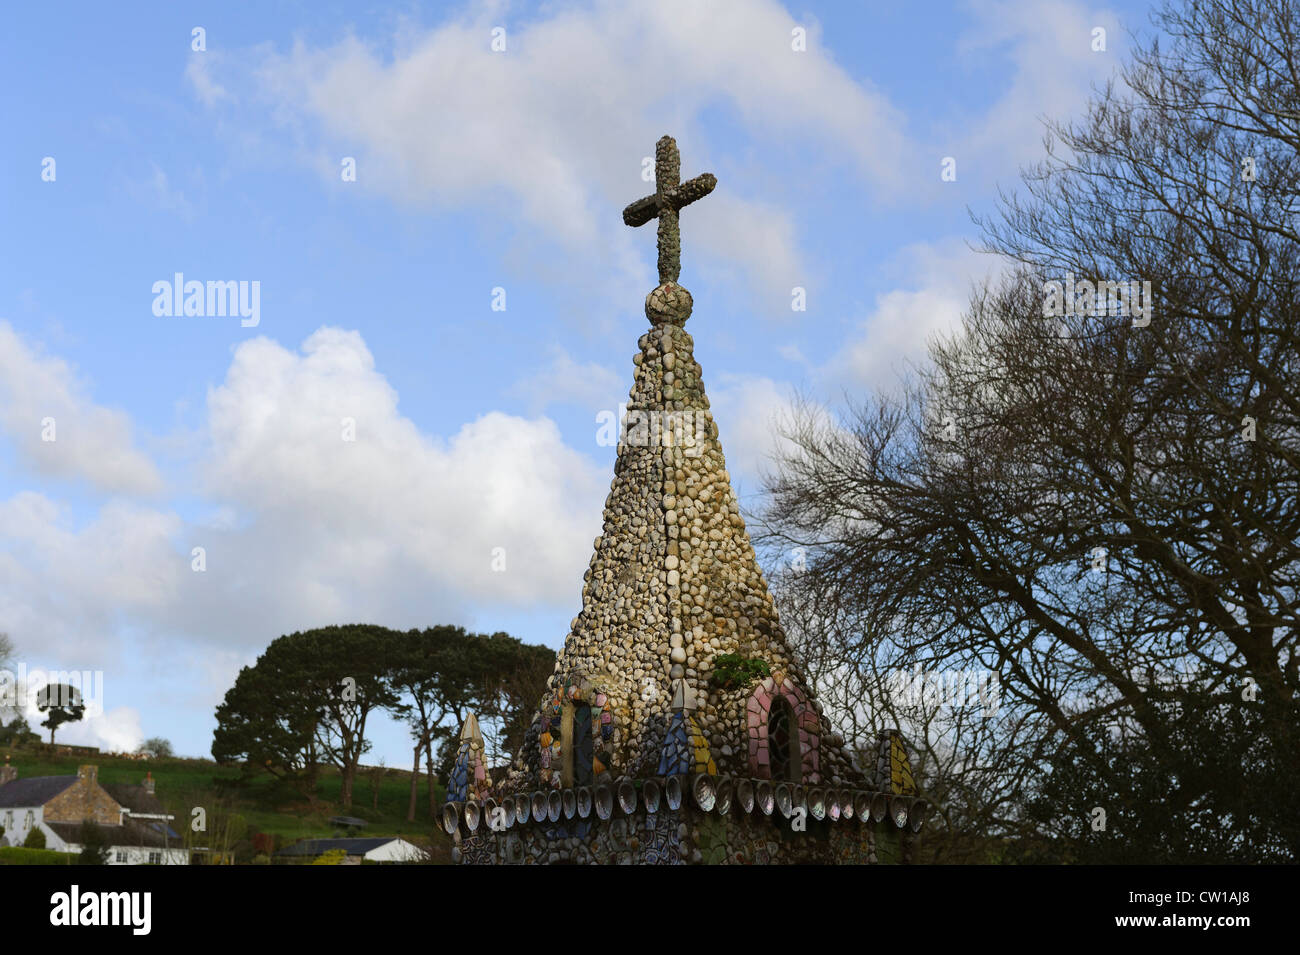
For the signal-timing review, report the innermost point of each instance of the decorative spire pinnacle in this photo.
(683, 697)
(669, 303)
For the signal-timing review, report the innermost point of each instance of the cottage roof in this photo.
(135, 798)
(36, 791)
(144, 833)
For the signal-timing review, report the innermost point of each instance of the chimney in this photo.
(7, 773)
(88, 772)
(148, 783)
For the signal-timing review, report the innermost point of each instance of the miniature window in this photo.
(583, 750)
(783, 743)
(577, 747)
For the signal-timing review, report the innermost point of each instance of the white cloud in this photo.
(69, 588)
(551, 133)
(169, 197)
(936, 280)
(301, 528)
(563, 380)
(749, 411)
(1048, 44)
(115, 731)
(372, 525)
(91, 442)
(199, 72)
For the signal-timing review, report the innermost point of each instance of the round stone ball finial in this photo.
(669, 304)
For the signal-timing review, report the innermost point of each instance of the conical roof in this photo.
(674, 586)
(677, 661)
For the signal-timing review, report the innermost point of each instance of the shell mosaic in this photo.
(893, 767)
(469, 778)
(591, 732)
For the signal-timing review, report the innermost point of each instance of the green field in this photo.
(235, 809)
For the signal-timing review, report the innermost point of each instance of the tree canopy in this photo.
(1099, 507)
(307, 699)
(61, 703)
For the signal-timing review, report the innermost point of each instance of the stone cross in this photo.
(671, 195)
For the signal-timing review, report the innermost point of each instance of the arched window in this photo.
(783, 743)
(784, 732)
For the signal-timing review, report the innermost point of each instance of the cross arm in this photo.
(689, 191)
(641, 211)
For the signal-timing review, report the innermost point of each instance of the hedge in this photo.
(14, 855)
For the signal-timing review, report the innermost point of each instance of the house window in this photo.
(783, 743)
(9, 821)
(155, 858)
(30, 819)
(119, 856)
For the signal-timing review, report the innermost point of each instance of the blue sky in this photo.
(475, 170)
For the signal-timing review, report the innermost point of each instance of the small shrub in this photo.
(35, 839)
(731, 670)
(94, 845)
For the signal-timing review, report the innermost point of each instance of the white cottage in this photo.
(373, 849)
(134, 824)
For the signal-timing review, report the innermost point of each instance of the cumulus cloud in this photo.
(67, 586)
(302, 527)
(1048, 44)
(116, 731)
(564, 380)
(552, 132)
(40, 392)
(935, 281)
(749, 411)
(354, 510)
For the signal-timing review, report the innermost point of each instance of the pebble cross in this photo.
(671, 196)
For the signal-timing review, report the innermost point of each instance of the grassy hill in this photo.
(262, 804)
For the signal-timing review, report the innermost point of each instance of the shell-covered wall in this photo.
(689, 836)
(687, 813)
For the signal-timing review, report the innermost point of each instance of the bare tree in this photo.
(1099, 506)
